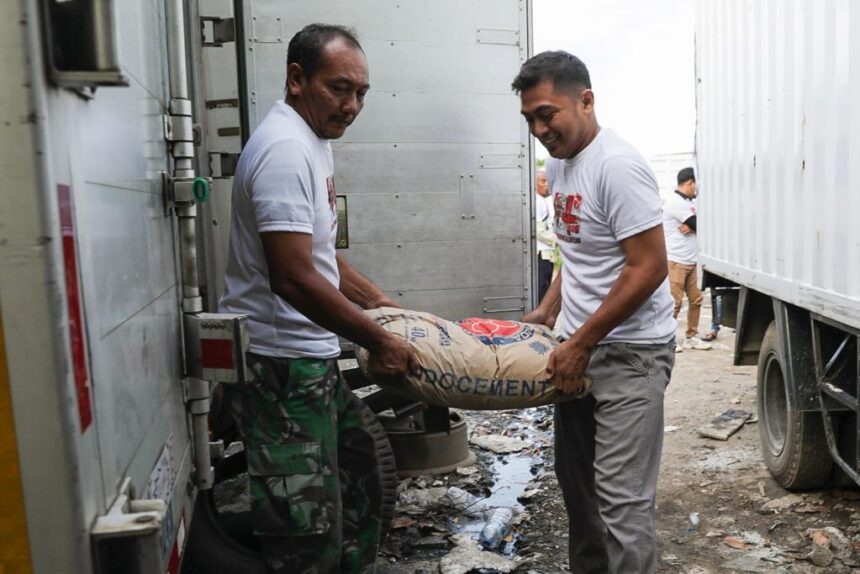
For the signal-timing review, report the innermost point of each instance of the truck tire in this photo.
(793, 443)
(212, 550)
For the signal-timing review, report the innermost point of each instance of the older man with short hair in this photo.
(312, 464)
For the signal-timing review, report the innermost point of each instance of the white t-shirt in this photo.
(284, 182)
(545, 243)
(679, 247)
(602, 196)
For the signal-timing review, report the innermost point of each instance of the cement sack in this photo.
(478, 364)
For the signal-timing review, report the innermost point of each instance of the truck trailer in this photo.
(777, 150)
(122, 123)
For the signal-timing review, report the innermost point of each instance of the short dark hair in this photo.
(559, 67)
(686, 175)
(306, 46)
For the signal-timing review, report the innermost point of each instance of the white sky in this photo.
(640, 55)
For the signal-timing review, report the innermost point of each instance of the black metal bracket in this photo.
(837, 369)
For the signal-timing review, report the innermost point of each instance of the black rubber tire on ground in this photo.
(211, 550)
(793, 443)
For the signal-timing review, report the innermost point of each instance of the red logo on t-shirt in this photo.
(567, 217)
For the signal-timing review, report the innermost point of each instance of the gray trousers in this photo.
(607, 456)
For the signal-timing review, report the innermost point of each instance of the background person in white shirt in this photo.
(679, 224)
(614, 297)
(545, 233)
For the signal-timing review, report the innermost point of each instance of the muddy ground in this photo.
(718, 509)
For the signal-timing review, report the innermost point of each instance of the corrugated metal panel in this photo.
(777, 148)
(440, 137)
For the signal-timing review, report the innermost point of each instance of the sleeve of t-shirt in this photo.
(630, 196)
(679, 209)
(281, 189)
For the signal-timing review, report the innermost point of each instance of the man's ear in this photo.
(586, 96)
(295, 79)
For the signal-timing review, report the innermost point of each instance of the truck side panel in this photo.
(777, 157)
(85, 230)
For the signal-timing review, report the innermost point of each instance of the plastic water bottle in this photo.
(466, 502)
(498, 523)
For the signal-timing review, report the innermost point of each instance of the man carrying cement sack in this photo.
(617, 310)
(300, 423)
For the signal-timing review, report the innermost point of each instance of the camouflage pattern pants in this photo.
(313, 470)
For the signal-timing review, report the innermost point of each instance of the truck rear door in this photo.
(435, 174)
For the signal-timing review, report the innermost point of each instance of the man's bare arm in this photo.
(359, 289)
(644, 271)
(293, 277)
(646, 268)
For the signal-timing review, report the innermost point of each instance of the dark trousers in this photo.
(544, 277)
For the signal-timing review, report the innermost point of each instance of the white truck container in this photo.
(777, 148)
(110, 257)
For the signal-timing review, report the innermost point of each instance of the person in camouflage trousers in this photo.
(315, 483)
(312, 464)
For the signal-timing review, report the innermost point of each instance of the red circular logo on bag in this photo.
(495, 332)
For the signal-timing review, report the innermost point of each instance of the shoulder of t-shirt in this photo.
(625, 166)
(618, 153)
(289, 148)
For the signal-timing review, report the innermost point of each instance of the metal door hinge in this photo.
(183, 191)
(130, 531)
(217, 31)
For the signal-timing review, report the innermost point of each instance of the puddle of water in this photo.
(511, 475)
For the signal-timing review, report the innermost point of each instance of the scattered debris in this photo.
(465, 502)
(467, 470)
(497, 526)
(760, 560)
(671, 560)
(708, 520)
(418, 500)
(529, 494)
(733, 542)
(429, 543)
(468, 556)
(833, 539)
(781, 504)
(810, 508)
(499, 444)
(402, 522)
(752, 538)
(725, 425)
(821, 555)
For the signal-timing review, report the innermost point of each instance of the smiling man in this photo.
(617, 310)
(312, 465)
